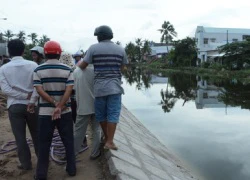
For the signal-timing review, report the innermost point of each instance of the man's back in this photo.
(53, 76)
(84, 87)
(107, 59)
(18, 74)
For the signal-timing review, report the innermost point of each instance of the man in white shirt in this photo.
(16, 81)
(84, 86)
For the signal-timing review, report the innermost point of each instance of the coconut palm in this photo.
(168, 32)
(21, 36)
(8, 35)
(43, 40)
(33, 38)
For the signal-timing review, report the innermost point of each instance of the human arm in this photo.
(124, 62)
(83, 65)
(87, 59)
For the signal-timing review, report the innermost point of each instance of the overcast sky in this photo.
(72, 22)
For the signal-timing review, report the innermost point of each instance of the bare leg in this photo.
(104, 126)
(111, 132)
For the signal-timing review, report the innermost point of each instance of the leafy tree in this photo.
(236, 53)
(138, 47)
(8, 35)
(168, 32)
(21, 36)
(33, 38)
(184, 53)
(43, 40)
(130, 49)
(146, 50)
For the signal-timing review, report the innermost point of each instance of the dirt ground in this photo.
(86, 169)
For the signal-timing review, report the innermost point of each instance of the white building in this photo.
(208, 39)
(207, 96)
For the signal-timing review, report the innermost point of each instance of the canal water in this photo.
(204, 120)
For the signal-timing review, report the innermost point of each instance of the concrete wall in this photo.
(141, 156)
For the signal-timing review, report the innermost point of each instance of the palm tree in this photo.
(8, 34)
(43, 40)
(21, 36)
(33, 38)
(168, 33)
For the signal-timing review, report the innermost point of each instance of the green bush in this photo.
(217, 66)
(205, 64)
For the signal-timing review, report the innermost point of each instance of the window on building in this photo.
(205, 40)
(244, 37)
(213, 39)
(235, 40)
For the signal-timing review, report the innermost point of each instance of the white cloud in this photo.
(72, 22)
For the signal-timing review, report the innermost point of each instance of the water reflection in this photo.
(206, 120)
(206, 92)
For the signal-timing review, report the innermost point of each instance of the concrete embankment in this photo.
(141, 156)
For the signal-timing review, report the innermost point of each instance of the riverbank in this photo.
(156, 67)
(141, 156)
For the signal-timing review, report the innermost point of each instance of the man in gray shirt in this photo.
(108, 60)
(84, 86)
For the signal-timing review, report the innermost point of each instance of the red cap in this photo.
(52, 47)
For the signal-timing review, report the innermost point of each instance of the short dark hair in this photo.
(52, 56)
(16, 47)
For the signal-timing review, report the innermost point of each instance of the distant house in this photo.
(208, 39)
(3, 49)
(160, 49)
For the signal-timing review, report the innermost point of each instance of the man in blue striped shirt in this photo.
(108, 60)
(54, 82)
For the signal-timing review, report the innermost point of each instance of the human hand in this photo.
(31, 108)
(56, 113)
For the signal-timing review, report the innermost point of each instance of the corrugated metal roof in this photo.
(160, 49)
(224, 30)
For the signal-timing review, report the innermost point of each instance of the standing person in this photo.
(67, 59)
(78, 56)
(54, 82)
(108, 59)
(37, 54)
(16, 79)
(84, 86)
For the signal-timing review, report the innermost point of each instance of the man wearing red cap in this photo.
(54, 82)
